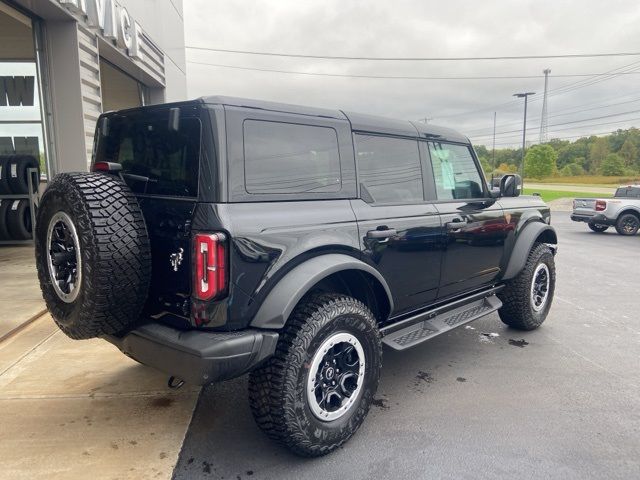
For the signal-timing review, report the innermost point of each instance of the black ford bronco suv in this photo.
(222, 236)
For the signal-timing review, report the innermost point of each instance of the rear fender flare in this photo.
(280, 302)
(526, 238)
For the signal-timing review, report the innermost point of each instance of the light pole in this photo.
(524, 128)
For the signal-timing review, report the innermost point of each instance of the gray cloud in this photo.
(417, 28)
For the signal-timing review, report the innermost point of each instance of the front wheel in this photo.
(598, 228)
(316, 390)
(628, 224)
(526, 299)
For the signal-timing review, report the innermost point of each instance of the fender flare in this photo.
(280, 302)
(524, 243)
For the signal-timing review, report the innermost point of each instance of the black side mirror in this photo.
(510, 185)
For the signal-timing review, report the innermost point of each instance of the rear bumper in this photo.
(197, 357)
(597, 219)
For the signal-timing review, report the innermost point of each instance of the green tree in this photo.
(628, 152)
(569, 153)
(597, 153)
(540, 161)
(572, 169)
(486, 166)
(612, 165)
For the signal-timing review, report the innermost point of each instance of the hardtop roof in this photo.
(359, 121)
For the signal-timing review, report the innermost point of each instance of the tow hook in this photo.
(175, 383)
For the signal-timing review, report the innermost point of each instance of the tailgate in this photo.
(168, 222)
(584, 206)
(158, 150)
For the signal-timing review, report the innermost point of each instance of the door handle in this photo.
(380, 234)
(456, 223)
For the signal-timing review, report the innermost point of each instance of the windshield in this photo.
(156, 159)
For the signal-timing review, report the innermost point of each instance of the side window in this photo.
(290, 158)
(389, 169)
(455, 172)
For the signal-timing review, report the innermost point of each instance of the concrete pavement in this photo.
(80, 409)
(20, 297)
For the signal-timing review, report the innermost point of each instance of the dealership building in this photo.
(63, 62)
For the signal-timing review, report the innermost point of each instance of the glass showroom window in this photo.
(21, 128)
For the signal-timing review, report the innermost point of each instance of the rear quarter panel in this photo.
(269, 239)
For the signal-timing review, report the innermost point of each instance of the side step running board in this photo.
(435, 324)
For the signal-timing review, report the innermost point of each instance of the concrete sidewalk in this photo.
(80, 409)
(20, 296)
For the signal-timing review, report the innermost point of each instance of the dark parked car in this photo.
(222, 236)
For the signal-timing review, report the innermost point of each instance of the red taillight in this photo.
(210, 272)
(601, 205)
(106, 167)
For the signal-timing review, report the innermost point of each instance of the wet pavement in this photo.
(483, 401)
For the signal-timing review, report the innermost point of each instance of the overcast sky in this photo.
(414, 28)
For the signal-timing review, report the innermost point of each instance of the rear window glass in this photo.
(628, 192)
(389, 169)
(290, 158)
(155, 159)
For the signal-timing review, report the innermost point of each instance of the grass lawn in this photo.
(589, 180)
(548, 195)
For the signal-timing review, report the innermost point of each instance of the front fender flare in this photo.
(280, 302)
(524, 242)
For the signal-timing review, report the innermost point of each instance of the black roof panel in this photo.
(359, 121)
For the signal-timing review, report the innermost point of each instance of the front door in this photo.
(400, 233)
(474, 227)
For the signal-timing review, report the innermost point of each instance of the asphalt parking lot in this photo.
(479, 402)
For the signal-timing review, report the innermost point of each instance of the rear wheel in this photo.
(526, 299)
(316, 390)
(628, 224)
(598, 228)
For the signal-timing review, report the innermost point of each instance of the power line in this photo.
(572, 128)
(570, 122)
(608, 132)
(483, 129)
(404, 59)
(394, 77)
(560, 90)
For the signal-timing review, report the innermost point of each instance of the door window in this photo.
(455, 173)
(389, 169)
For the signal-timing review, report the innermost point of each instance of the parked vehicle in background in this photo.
(622, 211)
(223, 236)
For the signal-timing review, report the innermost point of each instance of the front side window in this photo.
(389, 169)
(288, 158)
(455, 172)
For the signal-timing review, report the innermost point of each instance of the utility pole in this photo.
(524, 128)
(493, 154)
(543, 121)
(425, 120)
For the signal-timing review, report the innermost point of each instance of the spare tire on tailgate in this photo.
(92, 254)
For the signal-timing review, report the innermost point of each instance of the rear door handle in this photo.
(456, 223)
(380, 234)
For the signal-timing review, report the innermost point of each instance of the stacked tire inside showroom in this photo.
(17, 200)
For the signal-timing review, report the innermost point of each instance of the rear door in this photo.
(399, 231)
(159, 152)
(474, 226)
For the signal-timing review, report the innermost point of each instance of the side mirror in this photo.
(510, 185)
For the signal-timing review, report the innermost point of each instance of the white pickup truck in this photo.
(622, 211)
